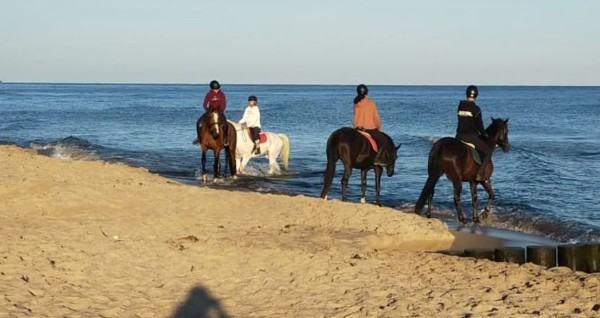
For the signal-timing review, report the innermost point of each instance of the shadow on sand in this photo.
(200, 304)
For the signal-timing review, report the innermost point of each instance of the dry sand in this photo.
(87, 239)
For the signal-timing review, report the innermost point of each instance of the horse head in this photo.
(390, 155)
(211, 120)
(498, 131)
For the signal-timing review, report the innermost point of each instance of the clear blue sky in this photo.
(519, 42)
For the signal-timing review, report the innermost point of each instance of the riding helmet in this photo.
(472, 91)
(215, 85)
(252, 98)
(362, 90)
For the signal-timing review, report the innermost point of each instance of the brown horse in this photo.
(210, 136)
(452, 157)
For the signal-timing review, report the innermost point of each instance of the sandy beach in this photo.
(89, 239)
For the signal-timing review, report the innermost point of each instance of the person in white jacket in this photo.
(252, 120)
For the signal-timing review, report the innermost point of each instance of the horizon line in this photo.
(295, 84)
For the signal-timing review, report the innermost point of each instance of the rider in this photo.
(367, 118)
(252, 119)
(470, 127)
(216, 98)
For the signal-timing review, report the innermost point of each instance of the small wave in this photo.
(71, 148)
(431, 139)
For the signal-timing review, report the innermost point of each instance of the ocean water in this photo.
(545, 185)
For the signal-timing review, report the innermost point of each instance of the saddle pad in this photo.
(468, 144)
(370, 139)
(262, 137)
(474, 152)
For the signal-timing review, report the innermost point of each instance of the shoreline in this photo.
(87, 238)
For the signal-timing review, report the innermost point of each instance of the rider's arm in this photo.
(206, 100)
(223, 100)
(376, 118)
(244, 117)
(479, 122)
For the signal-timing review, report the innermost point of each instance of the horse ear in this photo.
(492, 118)
(506, 121)
(398, 147)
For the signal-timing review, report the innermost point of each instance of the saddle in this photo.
(474, 151)
(370, 139)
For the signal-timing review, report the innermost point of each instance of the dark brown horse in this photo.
(210, 136)
(356, 152)
(452, 157)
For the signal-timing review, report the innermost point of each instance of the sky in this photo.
(393, 42)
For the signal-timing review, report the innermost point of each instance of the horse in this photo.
(210, 136)
(356, 152)
(454, 158)
(274, 146)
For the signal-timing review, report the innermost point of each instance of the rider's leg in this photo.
(256, 138)
(381, 144)
(487, 155)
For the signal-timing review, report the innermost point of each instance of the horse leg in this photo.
(273, 165)
(217, 165)
(238, 164)
(328, 175)
(378, 172)
(430, 203)
(487, 185)
(243, 163)
(204, 178)
(475, 201)
(363, 185)
(457, 191)
(230, 162)
(345, 178)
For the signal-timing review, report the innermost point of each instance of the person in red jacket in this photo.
(215, 98)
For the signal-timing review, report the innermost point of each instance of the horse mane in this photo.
(495, 126)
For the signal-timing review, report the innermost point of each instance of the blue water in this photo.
(545, 185)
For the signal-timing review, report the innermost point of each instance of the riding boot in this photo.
(481, 171)
(379, 158)
(256, 149)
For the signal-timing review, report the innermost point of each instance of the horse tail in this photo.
(285, 151)
(434, 171)
(332, 158)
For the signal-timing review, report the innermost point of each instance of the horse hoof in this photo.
(363, 200)
(484, 215)
(204, 178)
(235, 177)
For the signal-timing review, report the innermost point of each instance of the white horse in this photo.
(275, 145)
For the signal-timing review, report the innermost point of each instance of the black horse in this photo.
(355, 151)
(210, 136)
(452, 157)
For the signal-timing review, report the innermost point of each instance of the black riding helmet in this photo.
(215, 85)
(362, 90)
(252, 98)
(472, 91)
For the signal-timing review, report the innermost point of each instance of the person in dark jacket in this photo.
(470, 127)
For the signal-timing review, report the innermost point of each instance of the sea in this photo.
(547, 184)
